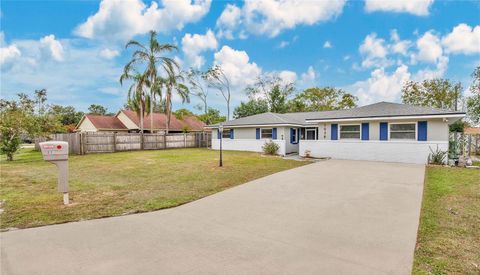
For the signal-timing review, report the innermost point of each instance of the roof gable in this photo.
(106, 122)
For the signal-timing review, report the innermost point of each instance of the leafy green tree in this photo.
(322, 99)
(212, 117)
(473, 101)
(273, 90)
(66, 114)
(19, 119)
(434, 93)
(251, 107)
(181, 113)
(96, 109)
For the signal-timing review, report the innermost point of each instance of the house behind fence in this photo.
(92, 142)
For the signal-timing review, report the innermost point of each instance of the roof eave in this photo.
(398, 117)
(257, 125)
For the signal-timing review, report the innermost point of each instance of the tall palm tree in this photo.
(137, 98)
(174, 83)
(151, 56)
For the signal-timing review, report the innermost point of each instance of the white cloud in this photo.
(123, 19)
(415, 7)
(194, 45)
(53, 46)
(308, 78)
(237, 66)
(70, 82)
(283, 44)
(463, 39)
(381, 86)
(228, 21)
(9, 53)
(327, 45)
(109, 53)
(288, 76)
(428, 73)
(429, 48)
(270, 17)
(399, 46)
(374, 51)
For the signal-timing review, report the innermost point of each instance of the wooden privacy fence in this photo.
(86, 143)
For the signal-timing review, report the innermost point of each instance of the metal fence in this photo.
(87, 143)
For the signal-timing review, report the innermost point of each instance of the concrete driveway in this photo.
(329, 217)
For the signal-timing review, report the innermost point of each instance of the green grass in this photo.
(476, 163)
(104, 185)
(448, 239)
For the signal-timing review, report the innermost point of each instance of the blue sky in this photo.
(75, 49)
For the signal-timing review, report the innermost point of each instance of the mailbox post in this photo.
(56, 152)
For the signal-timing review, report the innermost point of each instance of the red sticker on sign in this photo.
(59, 146)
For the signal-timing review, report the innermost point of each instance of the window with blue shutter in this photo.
(365, 131)
(257, 133)
(231, 133)
(383, 131)
(274, 133)
(422, 131)
(334, 131)
(219, 135)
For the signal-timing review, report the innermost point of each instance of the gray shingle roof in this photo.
(381, 109)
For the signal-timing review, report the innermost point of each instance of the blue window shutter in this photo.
(257, 132)
(231, 134)
(383, 131)
(316, 137)
(274, 133)
(365, 131)
(334, 132)
(291, 135)
(219, 135)
(422, 131)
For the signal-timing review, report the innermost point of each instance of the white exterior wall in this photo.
(87, 126)
(388, 151)
(127, 121)
(253, 145)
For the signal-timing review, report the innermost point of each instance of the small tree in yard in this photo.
(15, 121)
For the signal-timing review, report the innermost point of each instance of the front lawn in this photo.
(104, 185)
(448, 239)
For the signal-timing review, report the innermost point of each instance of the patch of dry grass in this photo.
(448, 240)
(104, 185)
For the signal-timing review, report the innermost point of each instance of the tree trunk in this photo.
(9, 156)
(151, 112)
(141, 117)
(168, 108)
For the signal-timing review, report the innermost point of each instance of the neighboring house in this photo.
(382, 131)
(129, 121)
(96, 123)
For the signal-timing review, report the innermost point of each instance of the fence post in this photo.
(114, 142)
(184, 140)
(164, 140)
(141, 141)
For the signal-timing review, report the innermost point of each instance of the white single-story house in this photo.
(383, 131)
(129, 121)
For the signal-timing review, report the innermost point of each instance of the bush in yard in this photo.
(437, 156)
(270, 148)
